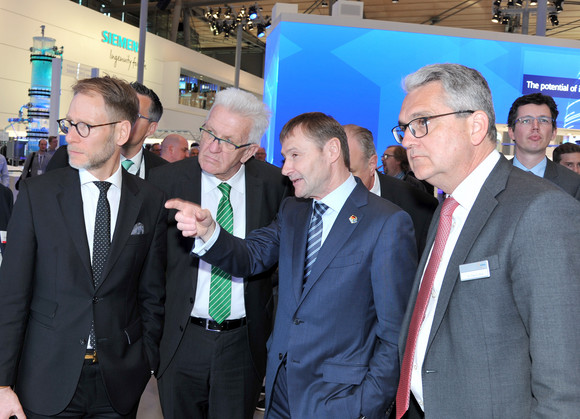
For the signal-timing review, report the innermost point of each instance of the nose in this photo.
(408, 139)
(215, 146)
(535, 123)
(286, 168)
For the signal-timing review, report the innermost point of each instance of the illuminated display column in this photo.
(43, 51)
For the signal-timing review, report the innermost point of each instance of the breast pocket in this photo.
(43, 311)
(344, 259)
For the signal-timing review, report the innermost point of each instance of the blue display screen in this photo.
(355, 74)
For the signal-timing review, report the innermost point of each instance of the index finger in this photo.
(182, 205)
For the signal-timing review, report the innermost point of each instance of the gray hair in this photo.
(465, 89)
(364, 138)
(247, 106)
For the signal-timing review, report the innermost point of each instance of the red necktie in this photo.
(443, 229)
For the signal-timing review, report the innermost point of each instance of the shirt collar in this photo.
(136, 159)
(538, 170)
(116, 178)
(376, 189)
(466, 193)
(336, 199)
(237, 181)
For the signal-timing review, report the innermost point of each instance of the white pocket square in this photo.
(138, 229)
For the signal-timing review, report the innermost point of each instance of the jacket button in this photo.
(280, 356)
(95, 300)
(191, 300)
(297, 321)
(83, 342)
(180, 328)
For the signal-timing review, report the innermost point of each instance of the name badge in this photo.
(475, 270)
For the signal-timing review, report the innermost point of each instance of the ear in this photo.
(511, 134)
(151, 130)
(373, 163)
(479, 125)
(122, 131)
(333, 148)
(554, 133)
(249, 152)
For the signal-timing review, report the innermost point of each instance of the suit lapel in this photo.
(297, 236)
(479, 215)
(129, 207)
(341, 231)
(71, 206)
(551, 172)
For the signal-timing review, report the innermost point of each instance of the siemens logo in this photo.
(119, 41)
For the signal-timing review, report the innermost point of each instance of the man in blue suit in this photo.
(333, 352)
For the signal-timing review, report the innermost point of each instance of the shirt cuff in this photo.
(200, 247)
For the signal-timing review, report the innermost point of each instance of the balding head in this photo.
(174, 148)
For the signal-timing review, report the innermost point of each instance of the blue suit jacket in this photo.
(339, 335)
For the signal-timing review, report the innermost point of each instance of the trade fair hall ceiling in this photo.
(195, 29)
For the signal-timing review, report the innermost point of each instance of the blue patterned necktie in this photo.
(314, 237)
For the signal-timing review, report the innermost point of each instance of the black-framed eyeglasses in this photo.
(529, 120)
(419, 126)
(145, 118)
(386, 156)
(83, 129)
(208, 137)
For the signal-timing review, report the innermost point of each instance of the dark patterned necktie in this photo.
(101, 240)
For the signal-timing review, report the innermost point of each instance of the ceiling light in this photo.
(496, 17)
(260, 28)
(554, 19)
(253, 12)
(519, 3)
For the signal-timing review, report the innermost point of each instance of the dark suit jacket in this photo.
(152, 161)
(420, 205)
(265, 189)
(60, 159)
(339, 335)
(563, 177)
(47, 297)
(506, 346)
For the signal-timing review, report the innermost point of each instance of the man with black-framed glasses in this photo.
(213, 352)
(81, 296)
(532, 127)
(491, 326)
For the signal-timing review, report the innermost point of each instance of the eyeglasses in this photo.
(208, 137)
(529, 120)
(145, 118)
(386, 156)
(418, 126)
(83, 129)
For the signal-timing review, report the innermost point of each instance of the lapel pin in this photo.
(353, 219)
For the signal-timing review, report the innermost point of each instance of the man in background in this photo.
(568, 155)
(213, 356)
(81, 296)
(532, 126)
(260, 154)
(36, 162)
(134, 158)
(491, 327)
(396, 164)
(52, 144)
(363, 164)
(174, 147)
(156, 148)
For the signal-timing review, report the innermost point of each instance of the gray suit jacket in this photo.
(506, 346)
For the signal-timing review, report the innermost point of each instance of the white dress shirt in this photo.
(210, 198)
(465, 195)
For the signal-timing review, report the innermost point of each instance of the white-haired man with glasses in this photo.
(532, 126)
(491, 329)
(214, 342)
